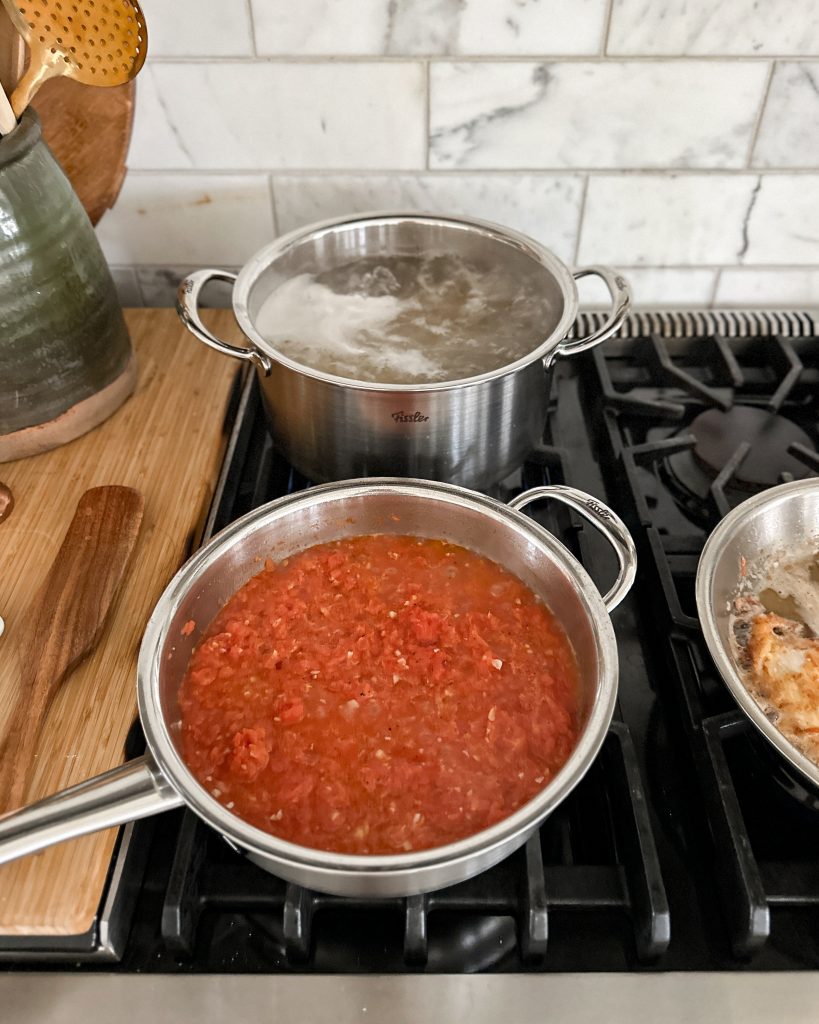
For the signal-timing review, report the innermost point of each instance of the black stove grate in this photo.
(653, 401)
(760, 843)
(594, 857)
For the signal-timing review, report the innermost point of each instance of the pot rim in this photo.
(266, 256)
(707, 567)
(525, 818)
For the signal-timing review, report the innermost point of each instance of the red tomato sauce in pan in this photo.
(379, 694)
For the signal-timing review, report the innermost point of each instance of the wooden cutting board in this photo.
(167, 441)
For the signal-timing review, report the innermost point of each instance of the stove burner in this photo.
(718, 435)
(724, 456)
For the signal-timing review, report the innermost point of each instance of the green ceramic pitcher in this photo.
(66, 361)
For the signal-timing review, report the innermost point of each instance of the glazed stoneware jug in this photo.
(66, 361)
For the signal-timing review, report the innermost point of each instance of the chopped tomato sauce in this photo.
(379, 694)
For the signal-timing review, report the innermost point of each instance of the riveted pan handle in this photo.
(620, 305)
(187, 306)
(607, 522)
(134, 790)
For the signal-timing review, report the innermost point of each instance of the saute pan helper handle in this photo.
(620, 305)
(606, 521)
(187, 306)
(134, 790)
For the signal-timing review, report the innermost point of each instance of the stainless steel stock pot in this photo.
(161, 780)
(471, 432)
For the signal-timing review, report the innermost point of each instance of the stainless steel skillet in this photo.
(161, 779)
(782, 518)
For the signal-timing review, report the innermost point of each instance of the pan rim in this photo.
(255, 841)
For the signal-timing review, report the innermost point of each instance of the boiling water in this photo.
(407, 319)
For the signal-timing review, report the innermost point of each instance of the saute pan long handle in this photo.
(134, 790)
(620, 305)
(607, 522)
(187, 306)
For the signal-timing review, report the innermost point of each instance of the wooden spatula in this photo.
(66, 620)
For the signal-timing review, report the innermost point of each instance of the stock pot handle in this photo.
(620, 305)
(187, 306)
(134, 790)
(607, 522)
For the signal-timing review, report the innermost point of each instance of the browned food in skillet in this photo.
(783, 666)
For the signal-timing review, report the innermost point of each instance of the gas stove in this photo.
(689, 846)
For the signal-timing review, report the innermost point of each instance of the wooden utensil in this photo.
(67, 618)
(8, 121)
(97, 42)
(180, 406)
(6, 502)
(12, 53)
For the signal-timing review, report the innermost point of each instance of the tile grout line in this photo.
(272, 190)
(712, 301)
(604, 43)
(251, 27)
(141, 293)
(581, 217)
(760, 114)
(488, 58)
(427, 114)
(510, 172)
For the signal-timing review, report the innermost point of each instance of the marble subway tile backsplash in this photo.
(783, 226)
(256, 115)
(665, 220)
(188, 219)
(768, 288)
(678, 141)
(127, 285)
(612, 115)
(675, 286)
(716, 27)
(183, 28)
(545, 206)
(789, 130)
(428, 27)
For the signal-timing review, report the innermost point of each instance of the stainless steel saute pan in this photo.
(161, 780)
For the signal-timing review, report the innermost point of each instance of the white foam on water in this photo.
(403, 320)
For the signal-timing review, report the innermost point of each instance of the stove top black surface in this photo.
(730, 420)
(687, 846)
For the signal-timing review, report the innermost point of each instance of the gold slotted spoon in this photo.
(97, 42)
